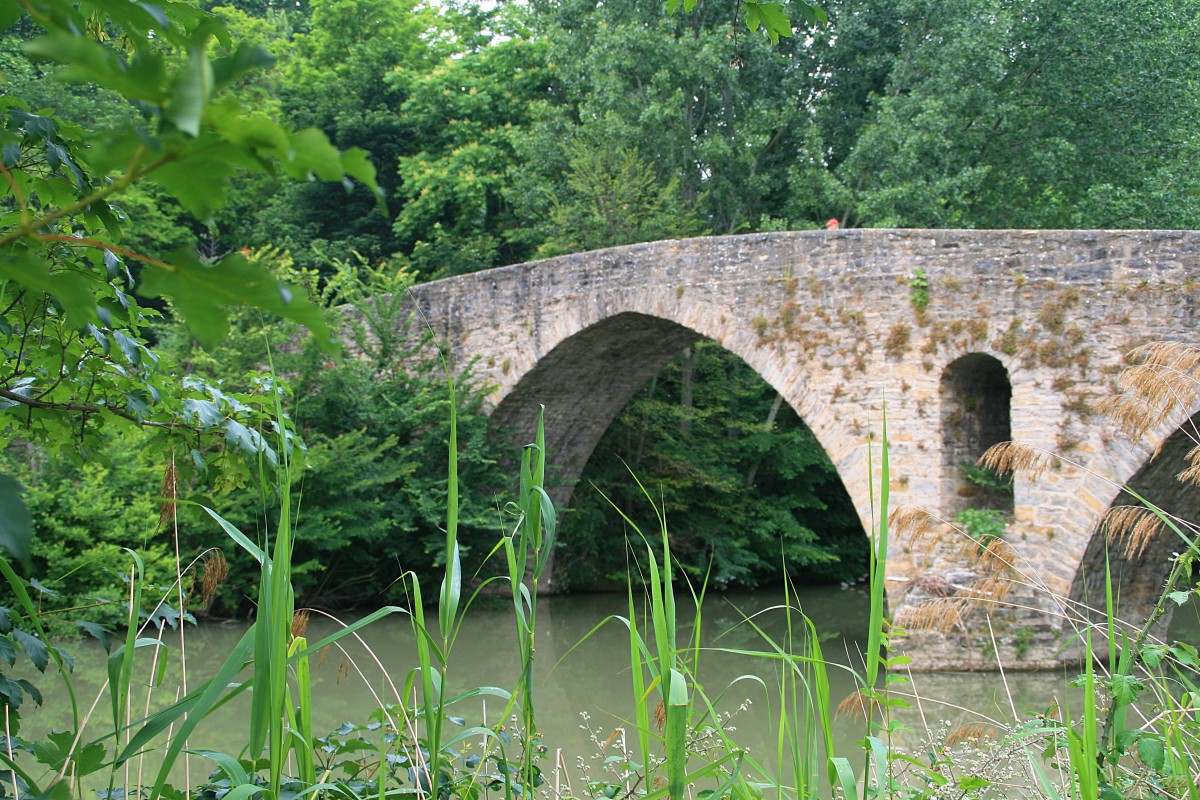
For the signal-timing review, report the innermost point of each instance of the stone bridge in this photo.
(1022, 334)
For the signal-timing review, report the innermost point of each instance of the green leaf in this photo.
(1125, 689)
(34, 647)
(1153, 654)
(813, 14)
(12, 692)
(246, 58)
(971, 783)
(130, 348)
(97, 630)
(16, 524)
(54, 750)
(49, 752)
(1185, 654)
(357, 164)
(199, 178)
(1126, 739)
(58, 156)
(43, 590)
(1151, 752)
(312, 154)
(770, 17)
(31, 690)
(200, 293)
(8, 653)
(250, 442)
(70, 289)
(89, 62)
(100, 338)
(190, 91)
(204, 413)
(89, 759)
(1179, 598)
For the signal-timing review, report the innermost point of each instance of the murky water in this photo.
(580, 669)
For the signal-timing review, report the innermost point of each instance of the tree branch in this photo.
(112, 248)
(85, 408)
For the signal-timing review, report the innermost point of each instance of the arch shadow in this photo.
(1140, 560)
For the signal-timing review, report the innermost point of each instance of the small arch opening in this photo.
(976, 396)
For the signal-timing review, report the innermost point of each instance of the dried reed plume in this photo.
(859, 704)
(1192, 473)
(660, 715)
(933, 585)
(299, 623)
(1165, 381)
(170, 493)
(940, 614)
(914, 526)
(993, 556)
(1009, 457)
(1133, 527)
(216, 570)
(970, 733)
(992, 589)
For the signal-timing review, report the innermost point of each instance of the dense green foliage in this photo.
(1058, 115)
(85, 516)
(742, 492)
(375, 430)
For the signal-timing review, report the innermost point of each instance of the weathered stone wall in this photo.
(826, 318)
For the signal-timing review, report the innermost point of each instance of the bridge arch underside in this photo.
(1139, 551)
(585, 381)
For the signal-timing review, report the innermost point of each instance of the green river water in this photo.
(577, 674)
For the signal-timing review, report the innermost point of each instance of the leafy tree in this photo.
(616, 197)
(85, 516)
(737, 141)
(70, 324)
(455, 212)
(376, 429)
(1063, 114)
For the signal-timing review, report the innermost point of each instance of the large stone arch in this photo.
(587, 378)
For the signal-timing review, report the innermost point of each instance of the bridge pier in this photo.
(1022, 334)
